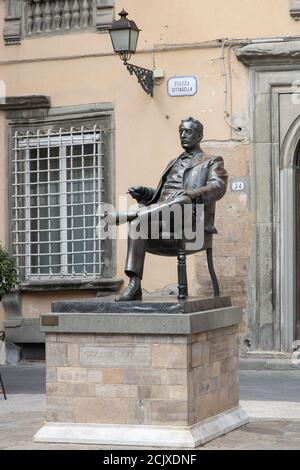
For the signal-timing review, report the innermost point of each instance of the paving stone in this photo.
(22, 415)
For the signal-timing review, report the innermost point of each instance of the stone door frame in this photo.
(273, 202)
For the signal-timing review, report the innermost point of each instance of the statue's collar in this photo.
(193, 154)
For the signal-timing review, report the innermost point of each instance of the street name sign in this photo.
(182, 86)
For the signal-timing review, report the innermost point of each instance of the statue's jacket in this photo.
(205, 179)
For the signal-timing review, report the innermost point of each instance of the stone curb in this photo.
(268, 364)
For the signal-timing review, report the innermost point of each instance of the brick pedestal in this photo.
(174, 385)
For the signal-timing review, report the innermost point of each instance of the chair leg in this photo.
(214, 280)
(182, 277)
(2, 386)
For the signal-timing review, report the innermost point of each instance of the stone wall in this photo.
(233, 243)
(141, 379)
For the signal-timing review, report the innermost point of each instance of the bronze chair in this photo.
(182, 276)
(177, 248)
(2, 338)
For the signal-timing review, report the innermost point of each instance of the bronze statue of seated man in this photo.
(191, 179)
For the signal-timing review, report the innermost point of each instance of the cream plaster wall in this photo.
(172, 22)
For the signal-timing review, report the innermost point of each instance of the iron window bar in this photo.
(71, 252)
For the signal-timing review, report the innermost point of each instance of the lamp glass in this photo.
(120, 39)
(134, 35)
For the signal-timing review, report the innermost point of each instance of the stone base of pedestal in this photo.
(138, 435)
(141, 379)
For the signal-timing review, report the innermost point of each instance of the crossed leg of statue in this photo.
(151, 226)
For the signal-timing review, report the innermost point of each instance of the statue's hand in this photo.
(137, 192)
(189, 194)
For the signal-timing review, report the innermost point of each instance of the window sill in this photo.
(106, 285)
(295, 9)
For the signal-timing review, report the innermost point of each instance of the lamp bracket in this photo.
(144, 76)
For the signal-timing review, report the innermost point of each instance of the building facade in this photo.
(77, 130)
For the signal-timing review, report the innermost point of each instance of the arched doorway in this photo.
(289, 241)
(297, 187)
(288, 238)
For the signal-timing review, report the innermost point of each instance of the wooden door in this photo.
(298, 253)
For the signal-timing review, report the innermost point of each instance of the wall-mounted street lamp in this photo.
(124, 37)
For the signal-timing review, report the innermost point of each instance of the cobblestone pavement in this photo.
(271, 399)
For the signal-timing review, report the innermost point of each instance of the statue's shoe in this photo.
(132, 292)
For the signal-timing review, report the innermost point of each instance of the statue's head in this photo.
(191, 133)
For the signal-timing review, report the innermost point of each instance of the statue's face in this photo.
(189, 136)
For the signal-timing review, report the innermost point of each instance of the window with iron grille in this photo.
(58, 186)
